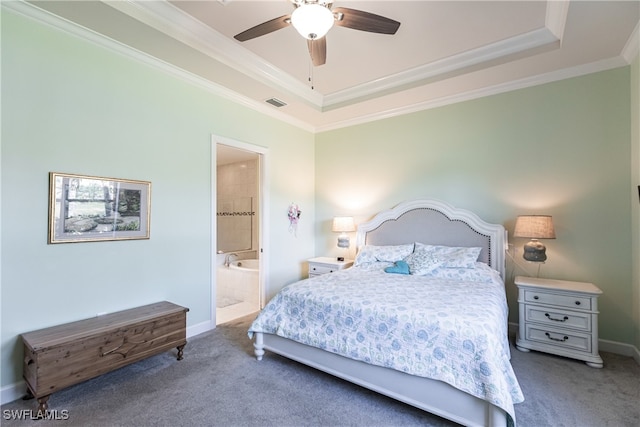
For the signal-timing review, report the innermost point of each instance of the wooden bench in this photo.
(65, 355)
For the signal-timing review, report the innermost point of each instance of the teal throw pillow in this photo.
(398, 267)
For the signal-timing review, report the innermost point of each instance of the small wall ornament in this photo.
(294, 216)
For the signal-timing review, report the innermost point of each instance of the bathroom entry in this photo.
(238, 232)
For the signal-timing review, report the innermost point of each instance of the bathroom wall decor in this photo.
(294, 213)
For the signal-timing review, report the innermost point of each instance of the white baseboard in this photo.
(18, 390)
(13, 392)
(200, 328)
(620, 348)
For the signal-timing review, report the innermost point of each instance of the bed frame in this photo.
(429, 222)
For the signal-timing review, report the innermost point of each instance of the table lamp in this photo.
(343, 225)
(534, 227)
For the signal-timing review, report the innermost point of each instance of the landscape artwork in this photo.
(88, 208)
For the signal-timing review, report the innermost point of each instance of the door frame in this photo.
(263, 234)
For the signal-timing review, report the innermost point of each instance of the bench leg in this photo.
(43, 401)
(180, 348)
(28, 395)
(43, 405)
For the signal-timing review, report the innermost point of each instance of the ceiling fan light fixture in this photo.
(312, 21)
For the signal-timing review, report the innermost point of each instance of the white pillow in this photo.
(422, 261)
(451, 256)
(371, 253)
(482, 274)
(374, 266)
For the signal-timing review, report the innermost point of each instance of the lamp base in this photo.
(534, 251)
(343, 241)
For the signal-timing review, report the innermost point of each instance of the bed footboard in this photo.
(429, 395)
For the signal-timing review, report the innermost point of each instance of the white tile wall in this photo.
(237, 190)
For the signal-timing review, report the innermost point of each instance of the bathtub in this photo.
(237, 290)
(245, 265)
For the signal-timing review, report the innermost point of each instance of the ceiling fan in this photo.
(314, 18)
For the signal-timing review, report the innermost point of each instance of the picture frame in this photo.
(86, 208)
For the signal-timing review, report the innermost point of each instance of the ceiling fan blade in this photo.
(318, 51)
(364, 21)
(264, 28)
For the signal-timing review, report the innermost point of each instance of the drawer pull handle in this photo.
(556, 339)
(536, 297)
(564, 319)
(577, 302)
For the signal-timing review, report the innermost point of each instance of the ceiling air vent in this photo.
(276, 102)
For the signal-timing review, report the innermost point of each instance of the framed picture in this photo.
(89, 208)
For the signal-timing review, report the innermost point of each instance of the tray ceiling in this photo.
(443, 52)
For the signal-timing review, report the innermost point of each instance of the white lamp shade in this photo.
(343, 224)
(534, 227)
(312, 21)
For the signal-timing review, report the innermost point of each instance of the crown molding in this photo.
(632, 47)
(167, 18)
(444, 68)
(174, 22)
(556, 17)
(42, 16)
(541, 79)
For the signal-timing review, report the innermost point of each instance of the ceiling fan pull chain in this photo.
(311, 73)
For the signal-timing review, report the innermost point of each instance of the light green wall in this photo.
(635, 185)
(561, 149)
(69, 106)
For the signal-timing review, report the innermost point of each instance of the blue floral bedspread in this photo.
(437, 328)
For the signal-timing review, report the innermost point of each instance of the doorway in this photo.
(238, 232)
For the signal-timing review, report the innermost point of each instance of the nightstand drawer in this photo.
(558, 318)
(561, 300)
(320, 269)
(559, 338)
(323, 265)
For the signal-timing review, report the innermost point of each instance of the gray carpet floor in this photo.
(220, 383)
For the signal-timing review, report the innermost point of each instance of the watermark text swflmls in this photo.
(30, 414)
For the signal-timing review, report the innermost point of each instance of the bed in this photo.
(435, 339)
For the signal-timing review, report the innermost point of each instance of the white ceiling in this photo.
(443, 52)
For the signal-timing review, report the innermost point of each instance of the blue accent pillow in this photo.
(398, 267)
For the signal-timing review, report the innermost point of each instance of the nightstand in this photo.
(323, 265)
(559, 317)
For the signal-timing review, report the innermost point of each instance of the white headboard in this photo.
(435, 223)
